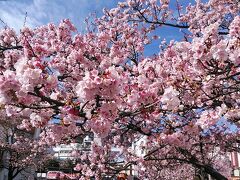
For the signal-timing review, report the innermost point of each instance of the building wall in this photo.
(65, 151)
(235, 162)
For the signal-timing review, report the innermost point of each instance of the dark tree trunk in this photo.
(13, 172)
(211, 171)
(10, 174)
(214, 173)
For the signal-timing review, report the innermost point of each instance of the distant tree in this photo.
(20, 152)
(51, 164)
(68, 164)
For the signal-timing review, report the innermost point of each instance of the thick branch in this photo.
(3, 48)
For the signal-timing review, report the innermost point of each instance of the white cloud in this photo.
(41, 12)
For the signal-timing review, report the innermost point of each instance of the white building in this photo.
(235, 162)
(67, 151)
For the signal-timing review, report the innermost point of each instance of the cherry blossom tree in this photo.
(184, 100)
(20, 152)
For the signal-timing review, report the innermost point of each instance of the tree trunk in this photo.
(211, 171)
(214, 173)
(13, 172)
(10, 174)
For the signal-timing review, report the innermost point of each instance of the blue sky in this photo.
(40, 12)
